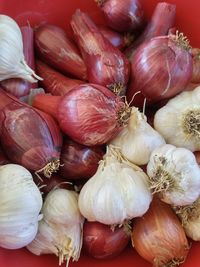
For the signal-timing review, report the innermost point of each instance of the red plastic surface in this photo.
(59, 12)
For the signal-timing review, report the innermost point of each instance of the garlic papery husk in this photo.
(138, 139)
(190, 218)
(12, 61)
(60, 231)
(179, 120)
(20, 205)
(119, 191)
(174, 174)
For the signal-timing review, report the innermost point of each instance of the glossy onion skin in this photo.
(158, 236)
(53, 81)
(79, 161)
(29, 137)
(100, 242)
(160, 69)
(106, 65)
(56, 49)
(123, 16)
(88, 114)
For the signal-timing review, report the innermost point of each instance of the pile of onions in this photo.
(101, 242)
(54, 82)
(106, 65)
(79, 161)
(54, 47)
(161, 68)
(29, 137)
(90, 114)
(122, 16)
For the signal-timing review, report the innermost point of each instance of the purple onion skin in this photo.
(124, 15)
(79, 161)
(160, 69)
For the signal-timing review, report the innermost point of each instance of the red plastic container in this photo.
(59, 12)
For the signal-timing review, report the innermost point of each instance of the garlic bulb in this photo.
(190, 218)
(12, 62)
(174, 174)
(179, 120)
(138, 139)
(60, 231)
(20, 204)
(119, 191)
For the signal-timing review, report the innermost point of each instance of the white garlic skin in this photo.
(61, 227)
(182, 166)
(20, 205)
(168, 120)
(114, 194)
(138, 139)
(12, 61)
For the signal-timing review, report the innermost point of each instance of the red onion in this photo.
(56, 49)
(29, 137)
(159, 237)
(161, 68)
(162, 20)
(106, 65)
(196, 65)
(100, 242)
(79, 161)
(122, 16)
(116, 39)
(3, 159)
(53, 81)
(19, 87)
(90, 114)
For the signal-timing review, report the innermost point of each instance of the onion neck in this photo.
(100, 3)
(181, 40)
(47, 103)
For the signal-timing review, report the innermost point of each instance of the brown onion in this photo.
(79, 161)
(100, 242)
(122, 16)
(56, 49)
(196, 65)
(106, 65)
(159, 237)
(29, 137)
(54, 82)
(161, 68)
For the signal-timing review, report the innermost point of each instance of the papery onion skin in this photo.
(79, 161)
(196, 65)
(160, 69)
(106, 65)
(55, 48)
(100, 242)
(53, 81)
(29, 137)
(162, 20)
(123, 16)
(158, 236)
(89, 114)
(16, 86)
